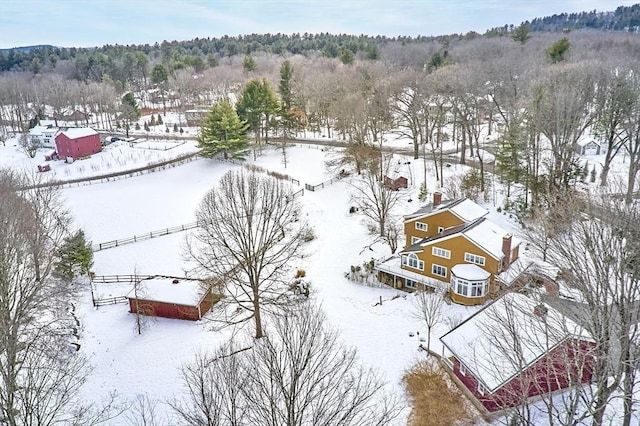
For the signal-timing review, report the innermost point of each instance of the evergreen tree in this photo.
(521, 33)
(159, 120)
(222, 132)
(175, 128)
(249, 64)
(128, 100)
(159, 77)
(146, 126)
(75, 257)
(346, 56)
(558, 50)
(137, 126)
(256, 105)
(372, 53)
(509, 156)
(288, 111)
(152, 122)
(212, 61)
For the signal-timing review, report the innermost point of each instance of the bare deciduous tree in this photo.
(299, 374)
(599, 252)
(249, 236)
(375, 200)
(40, 373)
(28, 145)
(428, 308)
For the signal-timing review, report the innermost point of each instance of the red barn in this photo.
(171, 298)
(515, 349)
(78, 142)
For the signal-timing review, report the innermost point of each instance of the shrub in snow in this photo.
(422, 195)
(308, 235)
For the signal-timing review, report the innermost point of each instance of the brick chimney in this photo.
(506, 250)
(437, 198)
(540, 310)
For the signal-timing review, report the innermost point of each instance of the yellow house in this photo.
(465, 257)
(435, 217)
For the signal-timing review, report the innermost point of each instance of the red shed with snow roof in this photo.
(171, 298)
(78, 142)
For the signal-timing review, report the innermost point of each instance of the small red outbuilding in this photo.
(78, 142)
(179, 298)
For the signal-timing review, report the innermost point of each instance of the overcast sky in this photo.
(88, 23)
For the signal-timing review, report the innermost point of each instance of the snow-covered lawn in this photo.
(150, 364)
(116, 157)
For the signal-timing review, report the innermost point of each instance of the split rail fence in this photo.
(145, 236)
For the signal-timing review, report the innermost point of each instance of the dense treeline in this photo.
(624, 18)
(119, 62)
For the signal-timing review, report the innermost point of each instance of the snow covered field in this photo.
(149, 364)
(133, 365)
(116, 157)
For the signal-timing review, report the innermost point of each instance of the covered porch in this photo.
(390, 272)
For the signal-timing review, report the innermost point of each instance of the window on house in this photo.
(412, 261)
(474, 258)
(420, 226)
(469, 288)
(439, 270)
(463, 370)
(437, 251)
(477, 289)
(440, 229)
(414, 240)
(462, 287)
(481, 389)
(410, 283)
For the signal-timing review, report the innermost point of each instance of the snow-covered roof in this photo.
(470, 272)
(516, 269)
(468, 210)
(482, 232)
(465, 209)
(79, 132)
(184, 292)
(485, 342)
(488, 235)
(50, 130)
(37, 130)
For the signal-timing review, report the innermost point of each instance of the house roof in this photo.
(482, 232)
(79, 132)
(185, 292)
(464, 208)
(488, 235)
(37, 130)
(485, 343)
(470, 271)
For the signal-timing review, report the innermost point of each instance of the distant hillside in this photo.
(26, 49)
(126, 63)
(624, 18)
